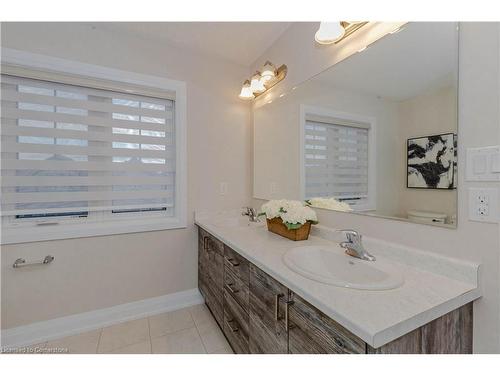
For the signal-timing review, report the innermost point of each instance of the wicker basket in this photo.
(277, 226)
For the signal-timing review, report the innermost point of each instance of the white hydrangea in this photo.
(291, 212)
(274, 208)
(299, 215)
(330, 204)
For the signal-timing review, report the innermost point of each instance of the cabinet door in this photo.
(211, 273)
(203, 261)
(311, 331)
(267, 302)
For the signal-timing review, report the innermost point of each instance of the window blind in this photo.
(73, 151)
(336, 160)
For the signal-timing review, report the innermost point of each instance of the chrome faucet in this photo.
(354, 247)
(250, 212)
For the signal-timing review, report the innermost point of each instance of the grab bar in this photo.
(21, 262)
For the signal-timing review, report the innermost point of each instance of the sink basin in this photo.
(330, 265)
(235, 222)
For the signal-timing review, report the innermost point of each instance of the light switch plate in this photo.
(483, 164)
(483, 205)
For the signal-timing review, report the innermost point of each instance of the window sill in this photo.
(67, 231)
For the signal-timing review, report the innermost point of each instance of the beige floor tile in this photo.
(201, 314)
(226, 349)
(187, 341)
(123, 334)
(211, 335)
(83, 343)
(143, 347)
(169, 322)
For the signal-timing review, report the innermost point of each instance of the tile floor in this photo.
(192, 330)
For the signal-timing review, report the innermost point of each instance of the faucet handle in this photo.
(351, 234)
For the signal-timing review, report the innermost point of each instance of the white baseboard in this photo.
(74, 324)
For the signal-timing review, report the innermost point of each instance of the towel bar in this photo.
(20, 262)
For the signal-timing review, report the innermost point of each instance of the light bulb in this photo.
(256, 85)
(329, 32)
(246, 92)
(268, 72)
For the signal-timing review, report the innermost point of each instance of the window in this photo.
(74, 154)
(336, 160)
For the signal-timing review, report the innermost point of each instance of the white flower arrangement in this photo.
(293, 213)
(329, 203)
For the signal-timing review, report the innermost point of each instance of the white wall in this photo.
(433, 112)
(94, 273)
(478, 126)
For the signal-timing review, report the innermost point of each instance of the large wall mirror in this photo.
(375, 134)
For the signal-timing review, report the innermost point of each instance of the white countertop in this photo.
(433, 286)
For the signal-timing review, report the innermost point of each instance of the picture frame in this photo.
(431, 162)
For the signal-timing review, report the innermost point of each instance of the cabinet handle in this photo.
(287, 325)
(228, 285)
(232, 328)
(205, 244)
(277, 306)
(339, 342)
(231, 262)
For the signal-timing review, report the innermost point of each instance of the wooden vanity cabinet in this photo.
(260, 315)
(268, 301)
(448, 334)
(312, 332)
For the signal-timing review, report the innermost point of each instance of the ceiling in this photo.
(238, 42)
(421, 57)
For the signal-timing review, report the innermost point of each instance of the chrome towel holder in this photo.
(21, 262)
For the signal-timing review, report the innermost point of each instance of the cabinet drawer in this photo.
(237, 264)
(236, 288)
(235, 324)
(313, 332)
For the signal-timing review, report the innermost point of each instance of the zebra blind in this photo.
(72, 151)
(336, 160)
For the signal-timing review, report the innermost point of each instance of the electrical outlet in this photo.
(482, 198)
(223, 188)
(483, 205)
(483, 210)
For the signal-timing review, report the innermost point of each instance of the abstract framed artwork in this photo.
(432, 162)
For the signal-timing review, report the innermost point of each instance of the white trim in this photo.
(66, 229)
(372, 152)
(78, 323)
(39, 62)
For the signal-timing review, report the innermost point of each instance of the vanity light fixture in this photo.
(268, 72)
(256, 84)
(334, 32)
(246, 92)
(259, 83)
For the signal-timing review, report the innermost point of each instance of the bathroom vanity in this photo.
(264, 307)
